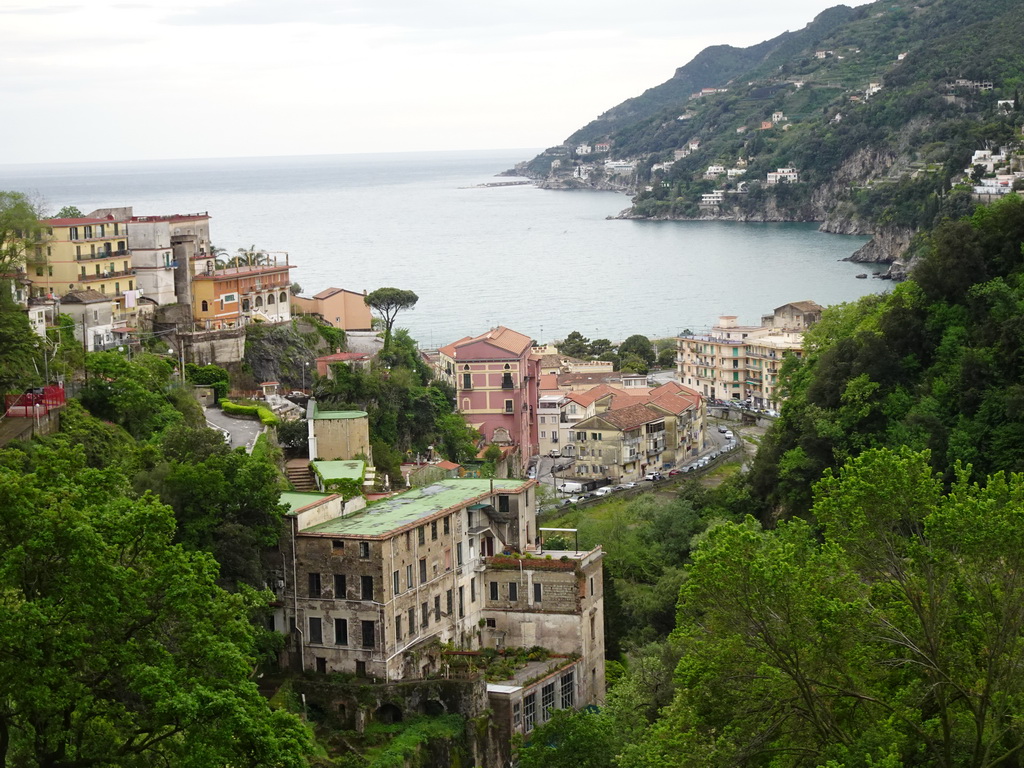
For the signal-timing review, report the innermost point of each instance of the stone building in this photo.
(338, 435)
(389, 592)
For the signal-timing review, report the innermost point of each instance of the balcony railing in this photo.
(103, 255)
(105, 276)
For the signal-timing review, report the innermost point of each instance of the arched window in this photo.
(270, 299)
(259, 302)
(284, 297)
(206, 306)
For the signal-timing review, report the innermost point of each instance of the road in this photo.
(243, 431)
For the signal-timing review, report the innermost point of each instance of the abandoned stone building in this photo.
(389, 591)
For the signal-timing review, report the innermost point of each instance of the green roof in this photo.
(339, 470)
(318, 414)
(297, 501)
(417, 504)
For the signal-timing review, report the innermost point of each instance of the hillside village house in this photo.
(783, 176)
(341, 308)
(734, 362)
(377, 591)
(495, 380)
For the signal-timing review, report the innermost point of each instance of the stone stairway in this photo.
(300, 475)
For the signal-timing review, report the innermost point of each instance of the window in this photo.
(568, 690)
(366, 587)
(421, 534)
(547, 701)
(536, 593)
(72, 233)
(506, 380)
(448, 602)
(491, 623)
(338, 547)
(508, 406)
(340, 588)
(424, 615)
(543, 434)
(364, 549)
(503, 505)
(517, 714)
(369, 634)
(467, 381)
(396, 582)
(408, 576)
(412, 622)
(398, 628)
(530, 712)
(458, 553)
(316, 634)
(314, 585)
(321, 665)
(408, 540)
(462, 602)
(437, 608)
(593, 625)
(447, 525)
(360, 669)
(341, 631)
(472, 590)
(513, 591)
(494, 590)
(423, 570)
(205, 306)
(433, 530)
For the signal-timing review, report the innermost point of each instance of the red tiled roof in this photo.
(630, 417)
(501, 337)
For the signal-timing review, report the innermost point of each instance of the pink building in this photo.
(495, 378)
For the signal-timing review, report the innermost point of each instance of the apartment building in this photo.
(734, 362)
(495, 378)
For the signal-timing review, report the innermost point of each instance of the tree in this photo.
(890, 636)
(19, 229)
(116, 645)
(248, 257)
(389, 302)
(69, 212)
(575, 345)
(639, 346)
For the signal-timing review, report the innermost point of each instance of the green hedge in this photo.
(265, 415)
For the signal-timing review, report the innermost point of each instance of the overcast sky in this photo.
(101, 80)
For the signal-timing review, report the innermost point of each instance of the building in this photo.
(233, 296)
(375, 591)
(734, 362)
(783, 176)
(495, 380)
(338, 435)
(339, 307)
(713, 198)
(93, 315)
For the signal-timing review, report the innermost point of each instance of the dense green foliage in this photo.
(936, 364)
(116, 645)
(408, 411)
(388, 302)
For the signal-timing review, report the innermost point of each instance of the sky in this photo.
(169, 79)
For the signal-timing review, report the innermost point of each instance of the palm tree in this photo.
(249, 257)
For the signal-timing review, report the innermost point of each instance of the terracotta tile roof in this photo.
(631, 417)
(87, 296)
(547, 381)
(328, 292)
(595, 377)
(448, 464)
(805, 306)
(501, 337)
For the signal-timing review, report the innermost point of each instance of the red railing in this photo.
(35, 403)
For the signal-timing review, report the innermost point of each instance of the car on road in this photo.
(722, 428)
(728, 434)
(653, 476)
(630, 485)
(555, 453)
(605, 490)
(674, 472)
(531, 473)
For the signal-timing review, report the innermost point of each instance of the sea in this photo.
(542, 262)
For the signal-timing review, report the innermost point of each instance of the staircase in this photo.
(300, 475)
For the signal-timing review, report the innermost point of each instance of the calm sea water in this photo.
(542, 262)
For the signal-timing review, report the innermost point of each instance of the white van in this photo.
(570, 487)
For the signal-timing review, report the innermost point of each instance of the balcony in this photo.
(122, 253)
(105, 276)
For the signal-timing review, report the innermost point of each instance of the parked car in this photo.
(728, 434)
(653, 476)
(674, 472)
(531, 473)
(555, 453)
(572, 500)
(630, 485)
(605, 490)
(722, 428)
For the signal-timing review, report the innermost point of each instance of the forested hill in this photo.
(878, 109)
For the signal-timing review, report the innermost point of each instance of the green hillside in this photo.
(881, 107)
